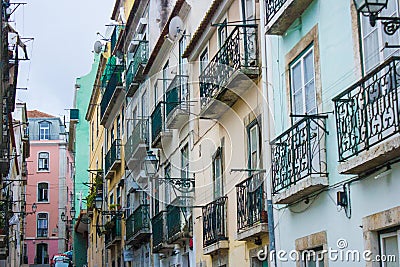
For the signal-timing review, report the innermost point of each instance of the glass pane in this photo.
(253, 139)
(298, 103)
(311, 263)
(309, 67)
(310, 98)
(371, 50)
(390, 247)
(296, 77)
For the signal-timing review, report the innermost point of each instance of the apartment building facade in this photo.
(49, 189)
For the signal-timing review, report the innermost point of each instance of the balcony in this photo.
(138, 226)
(231, 72)
(251, 213)
(113, 234)
(215, 237)
(134, 73)
(368, 120)
(137, 144)
(113, 94)
(178, 224)
(280, 14)
(113, 159)
(177, 102)
(158, 132)
(299, 160)
(158, 223)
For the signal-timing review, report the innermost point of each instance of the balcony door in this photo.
(42, 255)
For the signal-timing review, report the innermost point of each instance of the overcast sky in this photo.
(64, 33)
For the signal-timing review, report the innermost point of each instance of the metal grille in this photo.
(157, 121)
(299, 152)
(250, 202)
(214, 221)
(140, 135)
(272, 7)
(368, 112)
(239, 51)
(114, 81)
(158, 229)
(177, 94)
(113, 154)
(139, 59)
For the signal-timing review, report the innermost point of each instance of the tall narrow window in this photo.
(185, 162)
(167, 187)
(44, 130)
(42, 225)
(203, 60)
(217, 174)
(222, 33)
(42, 255)
(165, 77)
(92, 135)
(43, 192)
(182, 61)
(43, 161)
(119, 127)
(250, 10)
(303, 84)
(374, 38)
(119, 202)
(254, 146)
(389, 246)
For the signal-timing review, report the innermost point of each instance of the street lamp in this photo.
(98, 202)
(63, 217)
(371, 9)
(150, 164)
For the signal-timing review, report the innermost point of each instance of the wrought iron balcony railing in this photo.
(110, 85)
(250, 202)
(367, 113)
(158, 230)
(272, 7)
(177, 94)
(114, 232)
(138, 221)
(139, 60)
(140, 135)
(214, 222)
(177, 223)
(157, 121)
(238, 53)
(113, 155)
(299, 152)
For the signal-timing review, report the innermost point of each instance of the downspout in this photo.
(266, 75)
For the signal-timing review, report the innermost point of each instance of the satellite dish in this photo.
(175, 27)
(98, 46)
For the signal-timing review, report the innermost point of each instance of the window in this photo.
(156, 199)
(250, 10)
(42, 225)
(43, 161)
(313, 258)
(165, 76)
(203, 60)
(182, 61)
(222, 33)
(185, 162)
(302, 84)
(374, 39)
(254, 145)
(111, 198)
(167, 189)
(218, 189)
(92, 135)
(119, 127)
(119, 195)
(389, 246)
(44, 130)
(43, 192)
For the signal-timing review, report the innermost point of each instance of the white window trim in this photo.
(395, 233)
(40, 128)
(37, 162)
(48, 224)
(300, 60)
(48, 192)
(206, 47)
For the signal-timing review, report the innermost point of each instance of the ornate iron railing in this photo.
(299, 152)
(139, 220)
(114, 232)
(272, 7)
(368, 112)
(214, 222)
(239, 51)
(250, 202)
(113, 154)
(157, 121)
(158, 226)
(139, 59)
(174, 220)
(140, 135)
(114, 81)
(177, 94)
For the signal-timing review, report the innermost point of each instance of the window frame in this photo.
(392, 232)
(256, 126)
(47, 192)
(218, 155)
(300, 59)
(203, 66)
(41, 127)
(39, 158)
(47, 223)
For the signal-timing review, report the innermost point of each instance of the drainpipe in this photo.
(266, 75)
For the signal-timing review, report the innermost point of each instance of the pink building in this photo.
(50, 186)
